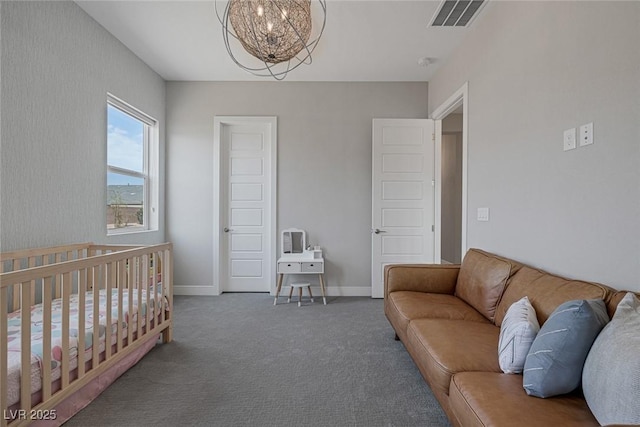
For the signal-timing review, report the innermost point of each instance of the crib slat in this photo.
(157, 295)
(165, 285)
(130, 288)
(139, 269)
(16, 288)
(46, 260)
(15, 304)
(66, 312)
(82, 311)
(89, 279)
(156, 290)
(145, 278)
(32, 263)
(121, 288)
(4, 339)
(58, 287)
(167, 290)
(111, 283)
(151, 307)
(96, 323)
(46, 338)
(160, 306)
(25, 348)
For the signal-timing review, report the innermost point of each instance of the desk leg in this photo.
(324, 298)
(280, 278)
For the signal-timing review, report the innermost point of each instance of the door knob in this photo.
(378, 231)
(226, 230)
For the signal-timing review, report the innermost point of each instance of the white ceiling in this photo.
(364, 40)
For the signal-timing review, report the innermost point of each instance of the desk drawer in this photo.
(289, 267)
(312, 267)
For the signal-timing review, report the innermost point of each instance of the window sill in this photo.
(132, 230)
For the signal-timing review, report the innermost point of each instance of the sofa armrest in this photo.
(431, 278)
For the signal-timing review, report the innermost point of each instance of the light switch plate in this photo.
(483, 214)
(586, 134)
(569, 142)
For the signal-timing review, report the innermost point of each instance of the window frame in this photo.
(149, 174)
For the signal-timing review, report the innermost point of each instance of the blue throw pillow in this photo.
(556, 358)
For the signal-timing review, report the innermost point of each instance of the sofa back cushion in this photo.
(546, 292)
(614, 300)
(482, 280)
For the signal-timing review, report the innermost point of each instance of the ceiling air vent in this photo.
(456, 13)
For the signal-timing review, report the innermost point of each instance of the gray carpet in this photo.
(236, 360)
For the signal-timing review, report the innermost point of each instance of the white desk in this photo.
(303, 263)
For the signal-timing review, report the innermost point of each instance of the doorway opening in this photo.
(451, 198)
(451, 120)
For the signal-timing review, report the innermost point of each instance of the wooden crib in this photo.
(48, 296)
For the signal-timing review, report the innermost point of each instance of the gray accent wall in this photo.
(57, 66)
(324, 167)
(535, 69)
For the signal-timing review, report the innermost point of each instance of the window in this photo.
(132, 159)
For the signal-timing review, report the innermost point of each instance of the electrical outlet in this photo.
(586, 134)
(569, 139)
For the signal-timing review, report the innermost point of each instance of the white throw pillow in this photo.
(519, 328)
(611, 374)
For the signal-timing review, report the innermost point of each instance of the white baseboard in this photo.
(194, 290)
(331, 291)
(349, 291)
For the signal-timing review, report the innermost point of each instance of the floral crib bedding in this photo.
(15, 329)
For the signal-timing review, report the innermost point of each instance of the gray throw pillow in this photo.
(556, 358)
(611, 375)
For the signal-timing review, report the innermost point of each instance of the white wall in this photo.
(535, 69)
(324, 167)
(57, 66)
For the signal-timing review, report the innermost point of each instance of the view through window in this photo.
(128, 134)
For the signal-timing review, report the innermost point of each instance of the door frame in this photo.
(459, 98)
(218, 123)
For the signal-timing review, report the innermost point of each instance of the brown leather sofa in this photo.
(449, 317)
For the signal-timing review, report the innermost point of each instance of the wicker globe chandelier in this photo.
(276, 32)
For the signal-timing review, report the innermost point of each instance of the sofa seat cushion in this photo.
(495, 399)
(405, 306)
(442, 348)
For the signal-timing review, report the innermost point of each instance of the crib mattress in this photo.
(14, 335)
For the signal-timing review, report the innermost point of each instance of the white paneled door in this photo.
(246, 190)
(402, 196)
